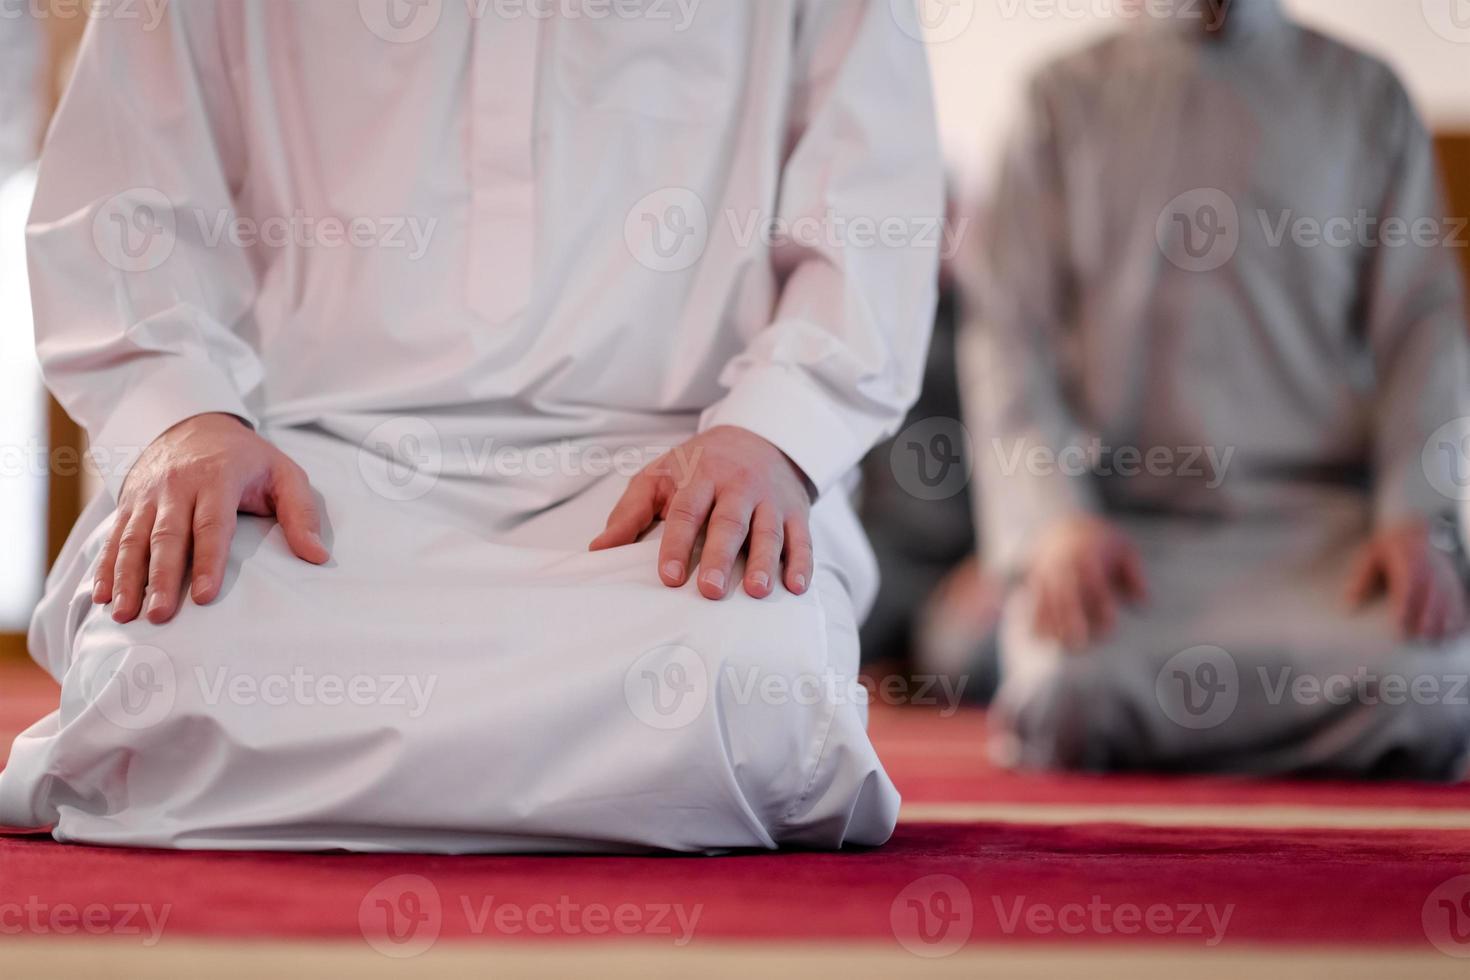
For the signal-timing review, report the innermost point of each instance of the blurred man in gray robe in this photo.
(1214, 380)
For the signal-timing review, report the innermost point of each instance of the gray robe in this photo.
(1159, 337)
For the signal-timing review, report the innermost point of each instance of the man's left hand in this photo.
(1427, 596)
(738, 489)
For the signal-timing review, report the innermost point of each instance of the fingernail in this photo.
(201, 586)
(801, 581)
(155, 602)
(760, 580)
(97, 592)
(715, 579)
(673, 571)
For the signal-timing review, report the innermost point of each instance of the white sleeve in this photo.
(840, 363)
(135, 293)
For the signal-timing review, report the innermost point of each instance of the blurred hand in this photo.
(966, 598)
(737, 488)
(179, 503)
(956, 620)
(1426, 595)
(1083, 567)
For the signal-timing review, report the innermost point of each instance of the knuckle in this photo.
(765, 535)
(288, 472)
(178, 478)
(165, 537)
(208, 523)
(740, 475)
(727, 523)
(209, 472)
(680, 512)
(121, 522)
(132, 539)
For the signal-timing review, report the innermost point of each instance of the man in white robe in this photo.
(1208, 370)
(452, 302)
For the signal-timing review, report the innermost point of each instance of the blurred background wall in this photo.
(37, 43)
(979, 73)
(982, 52)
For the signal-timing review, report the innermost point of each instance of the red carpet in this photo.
(961, 883)
(1182, 886)
(942, 760)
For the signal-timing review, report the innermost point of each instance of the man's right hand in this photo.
(179, 503)
(1082, 568)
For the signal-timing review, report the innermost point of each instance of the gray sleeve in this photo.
(1414, 316)
(1019, 289)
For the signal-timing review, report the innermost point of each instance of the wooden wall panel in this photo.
(1454, 157)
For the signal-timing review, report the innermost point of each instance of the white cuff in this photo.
(164, 393)
(781, 406)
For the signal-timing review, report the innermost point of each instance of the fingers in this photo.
(1409, 590)
(214, 528)
(1068, 618)
(683, 520)
(1096, 593)
(763, 564)
(1041, 617)
(130, 572)
(1433, 616)
(168, 554)
(729, 526)
(1077, 606)
(1128, 574)
(1363, 578)
(799, 560)
(297, 513)
(632, 514)
(107, 563)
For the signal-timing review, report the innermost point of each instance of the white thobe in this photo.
(1197, 312)
(466, 263)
